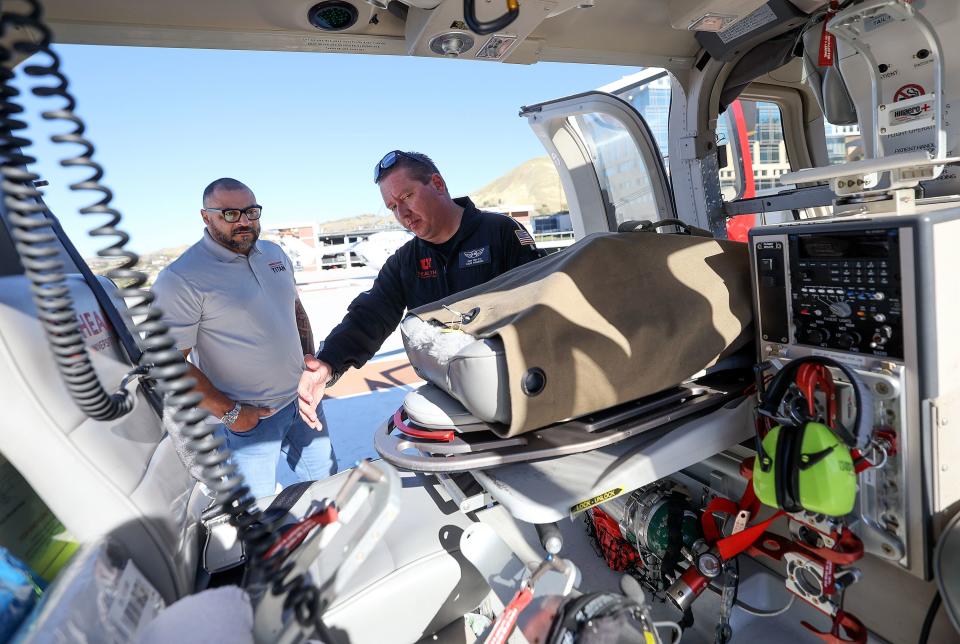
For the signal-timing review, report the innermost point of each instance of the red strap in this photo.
(853, 630)
(296, 533)
(730, 547)
(445, 435)
(748, 501)
(847, 549)
(829, 579)
(828, 42)
(508, 619)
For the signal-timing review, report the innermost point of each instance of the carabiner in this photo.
(489, 27)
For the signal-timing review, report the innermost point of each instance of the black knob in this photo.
(816, 336)
(848, 340)
(923, 53)
(883, 67)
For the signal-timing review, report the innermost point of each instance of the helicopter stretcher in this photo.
(682, 399)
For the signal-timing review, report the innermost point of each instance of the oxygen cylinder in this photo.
(643, 517)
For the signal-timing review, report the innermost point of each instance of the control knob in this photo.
(848, 340)
(816, 336)
(881, 336)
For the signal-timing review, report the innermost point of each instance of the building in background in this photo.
(299, 242)
(552, 232)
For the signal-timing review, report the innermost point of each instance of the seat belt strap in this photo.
(283, 502)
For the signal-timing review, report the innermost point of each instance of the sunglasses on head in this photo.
(232, 215)
(389, 160)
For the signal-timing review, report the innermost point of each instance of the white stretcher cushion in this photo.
(472, 371)
(431, 407)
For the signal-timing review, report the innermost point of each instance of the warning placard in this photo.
(910, 90)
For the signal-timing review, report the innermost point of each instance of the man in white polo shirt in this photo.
(232, 305)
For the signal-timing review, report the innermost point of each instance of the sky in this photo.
(303, 130)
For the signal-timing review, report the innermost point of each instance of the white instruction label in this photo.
(762, 16)
(136, 602)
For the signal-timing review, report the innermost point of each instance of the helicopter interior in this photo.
(468, 514)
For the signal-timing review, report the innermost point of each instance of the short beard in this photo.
(240, 246)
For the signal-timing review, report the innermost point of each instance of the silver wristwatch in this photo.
(229, 418)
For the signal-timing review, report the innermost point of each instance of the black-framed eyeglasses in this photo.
(232, 215)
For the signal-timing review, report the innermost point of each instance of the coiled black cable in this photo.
(164, 363)
(34, 241)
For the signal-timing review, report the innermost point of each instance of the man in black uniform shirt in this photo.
(456, 247)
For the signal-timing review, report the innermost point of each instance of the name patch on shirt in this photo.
(277, 267)
(475, 257)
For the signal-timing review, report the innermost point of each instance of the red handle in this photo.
(508, 619)
(296, 533)
(444, 435)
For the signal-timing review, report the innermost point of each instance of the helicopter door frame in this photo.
(569, 146)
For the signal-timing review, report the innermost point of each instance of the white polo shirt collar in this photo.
(221, 252)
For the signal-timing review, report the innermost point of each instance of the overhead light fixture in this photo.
(451, 43)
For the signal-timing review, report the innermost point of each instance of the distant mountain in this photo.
(150, 263)
(534, 182)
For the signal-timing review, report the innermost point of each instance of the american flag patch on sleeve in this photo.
(525, 238)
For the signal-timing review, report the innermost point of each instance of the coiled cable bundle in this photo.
(162, 362)
(35, 239)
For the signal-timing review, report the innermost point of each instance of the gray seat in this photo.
(122, 477)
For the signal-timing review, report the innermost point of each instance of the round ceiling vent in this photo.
(332, 15)
(452, 43)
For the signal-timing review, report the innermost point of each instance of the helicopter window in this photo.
(621, 170)
(844, 143)
(652, 99)
(755, 152)
(755, 156)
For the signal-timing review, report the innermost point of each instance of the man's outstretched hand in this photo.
(313, 381)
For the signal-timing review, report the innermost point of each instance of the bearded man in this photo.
(232, 306)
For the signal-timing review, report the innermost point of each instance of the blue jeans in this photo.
(282, 448)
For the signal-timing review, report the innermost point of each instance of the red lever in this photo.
(444, 435)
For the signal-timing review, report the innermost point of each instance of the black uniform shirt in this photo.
(485, 245)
